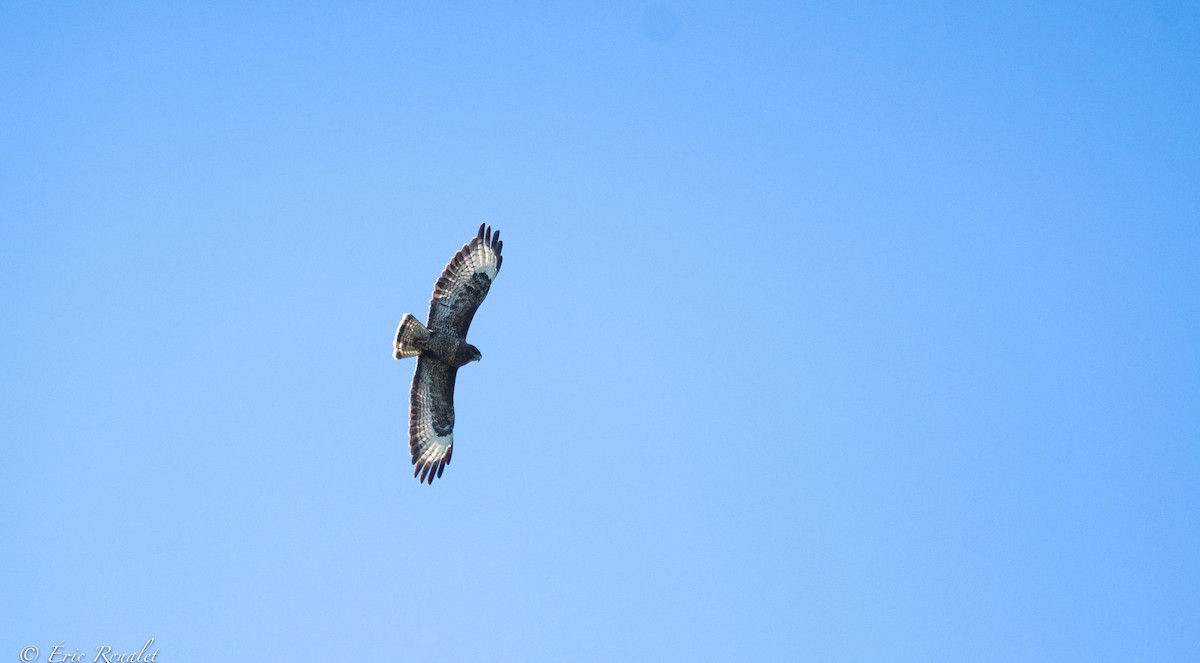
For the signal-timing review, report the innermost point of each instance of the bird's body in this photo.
(450, 350)
(441, 349)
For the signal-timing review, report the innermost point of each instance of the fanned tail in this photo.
(411, 337)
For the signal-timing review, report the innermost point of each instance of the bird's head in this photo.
(473, 353)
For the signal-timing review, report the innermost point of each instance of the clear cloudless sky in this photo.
(826, 331)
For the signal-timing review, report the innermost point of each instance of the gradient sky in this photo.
(826, 332)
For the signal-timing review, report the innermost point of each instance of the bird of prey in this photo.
(440, 346)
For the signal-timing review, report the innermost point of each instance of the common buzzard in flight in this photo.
(440, 346)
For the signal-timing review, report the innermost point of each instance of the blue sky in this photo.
(829, 332)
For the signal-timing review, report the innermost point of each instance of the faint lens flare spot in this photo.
(659, 23)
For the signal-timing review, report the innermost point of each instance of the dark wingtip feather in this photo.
(481, 230)
(424, 472)
(441, 468)
(487, 237)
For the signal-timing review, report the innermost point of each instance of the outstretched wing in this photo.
(464, 283)
(431, 417)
